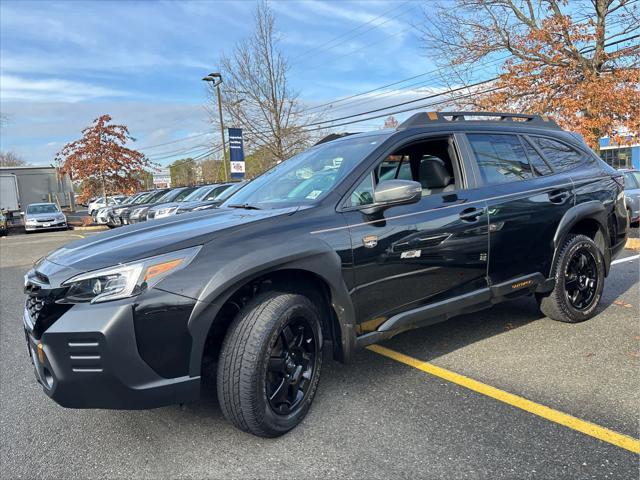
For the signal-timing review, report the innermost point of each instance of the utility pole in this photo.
(216, 80)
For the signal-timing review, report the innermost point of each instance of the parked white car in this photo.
(99, 203)
(102, 216)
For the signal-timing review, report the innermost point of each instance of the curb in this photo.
(632, 244)
(90, 228)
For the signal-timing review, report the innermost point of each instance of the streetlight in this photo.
(216, 79)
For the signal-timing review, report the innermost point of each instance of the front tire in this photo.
(579, 280)
(270, 363)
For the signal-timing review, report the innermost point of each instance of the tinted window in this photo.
(561, 156)
(501, 158)
(537, 162)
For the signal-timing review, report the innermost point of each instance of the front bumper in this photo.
(42, 226)
(89, 359)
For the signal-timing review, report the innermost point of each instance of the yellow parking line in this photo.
(588, 428)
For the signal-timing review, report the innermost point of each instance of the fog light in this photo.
(40, 353)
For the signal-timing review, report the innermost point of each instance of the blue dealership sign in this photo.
(236, 151)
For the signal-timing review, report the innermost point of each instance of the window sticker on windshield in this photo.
(314, 194)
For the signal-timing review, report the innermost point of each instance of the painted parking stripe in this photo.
(626, 259)
(588, 428)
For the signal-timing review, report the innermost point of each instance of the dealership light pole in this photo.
(216, 80)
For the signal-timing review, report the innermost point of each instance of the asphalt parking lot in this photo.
(374, 418)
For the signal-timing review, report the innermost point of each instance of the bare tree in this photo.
(10, 159)
(257, 96)
(577, 61)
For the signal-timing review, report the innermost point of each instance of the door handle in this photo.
(559, 197)
(471, 214)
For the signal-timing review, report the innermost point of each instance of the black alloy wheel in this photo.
(270, 362)
(291, 366)
(581, 279)
(578, 274)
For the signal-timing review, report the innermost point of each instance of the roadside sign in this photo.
(236, 150)
(162, 179)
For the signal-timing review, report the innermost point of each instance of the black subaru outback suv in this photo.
(346, 244)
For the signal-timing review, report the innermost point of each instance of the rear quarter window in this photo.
(561, 156)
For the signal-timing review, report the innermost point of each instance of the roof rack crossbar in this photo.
(423, 119)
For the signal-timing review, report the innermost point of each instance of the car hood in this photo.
(143, 240)
(41, 216)
(198, 203)
(165, 205)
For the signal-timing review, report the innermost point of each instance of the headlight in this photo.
(126, 280)
(138, 212)
(118, 211)
(165, 212)
(32, 220)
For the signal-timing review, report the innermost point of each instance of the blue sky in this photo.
(64, 63)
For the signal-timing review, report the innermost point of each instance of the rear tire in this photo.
(270, 363)
(579, 280)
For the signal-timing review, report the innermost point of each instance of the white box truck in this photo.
(9, 196)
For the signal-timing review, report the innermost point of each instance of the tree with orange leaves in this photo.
(101, 160)
(577, 62)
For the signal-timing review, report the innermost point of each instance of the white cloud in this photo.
(52, 89)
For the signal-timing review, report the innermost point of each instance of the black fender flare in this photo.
(305, 253)
(594, 210)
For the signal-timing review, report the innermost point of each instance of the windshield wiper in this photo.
(246, 206)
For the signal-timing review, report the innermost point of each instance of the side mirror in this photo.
(22, 213)
(394, 192)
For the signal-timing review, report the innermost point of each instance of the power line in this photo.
(149, 147)
(403, 89)
(433, 95)
(419, 107)
(180, 153)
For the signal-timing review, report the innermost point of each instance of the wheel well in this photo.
(592, 229)
(303, 282)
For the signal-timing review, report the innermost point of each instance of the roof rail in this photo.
(423, 119)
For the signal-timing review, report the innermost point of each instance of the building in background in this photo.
(620, 156)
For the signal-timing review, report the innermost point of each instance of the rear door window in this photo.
(561, 156)
(501, 158)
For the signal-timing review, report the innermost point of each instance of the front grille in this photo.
(44, 311)
(45, 220)
(41, 303)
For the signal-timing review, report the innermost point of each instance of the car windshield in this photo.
(182, 196)
(155, 196)
(167, 196)
(308, 176)
(142, 198)
(46, 208)
(216, 192)
(231, 190)
(198, 194)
